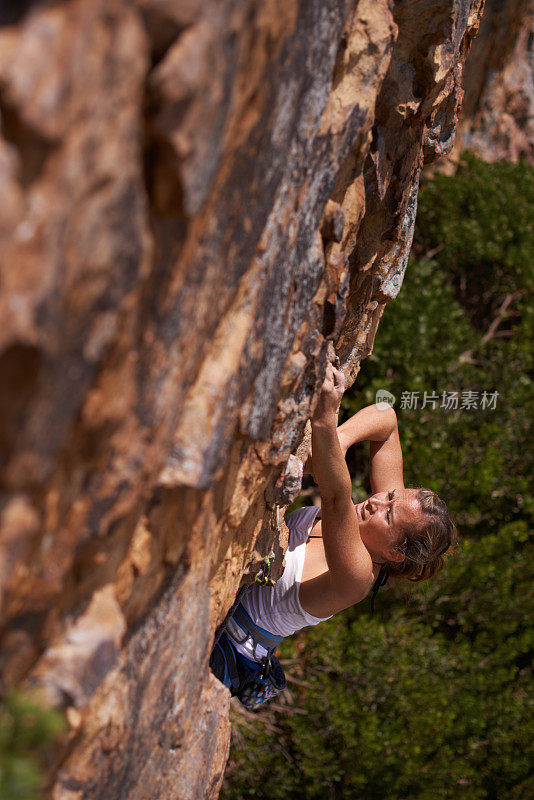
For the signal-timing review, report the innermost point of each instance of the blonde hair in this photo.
(425, 545)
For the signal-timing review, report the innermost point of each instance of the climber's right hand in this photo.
(327, 406)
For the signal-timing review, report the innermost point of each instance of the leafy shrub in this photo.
(26, 731)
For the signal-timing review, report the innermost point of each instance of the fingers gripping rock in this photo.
(331, 355)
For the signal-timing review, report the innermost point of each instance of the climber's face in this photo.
(384, 520)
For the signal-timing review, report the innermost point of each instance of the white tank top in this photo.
(277, 608)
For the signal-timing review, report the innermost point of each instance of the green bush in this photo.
(26, 731)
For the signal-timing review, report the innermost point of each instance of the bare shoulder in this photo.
(323, 595)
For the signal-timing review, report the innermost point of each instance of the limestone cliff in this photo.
(497, 118)
(198, 196)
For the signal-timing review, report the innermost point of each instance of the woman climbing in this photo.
(337, 553)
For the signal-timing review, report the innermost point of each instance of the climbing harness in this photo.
(264, 572)
(252, 681)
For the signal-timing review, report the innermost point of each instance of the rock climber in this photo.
(339, 552)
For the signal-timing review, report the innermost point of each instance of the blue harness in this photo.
(253, 682)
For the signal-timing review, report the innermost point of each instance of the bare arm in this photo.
(350, 567)
(379, 426)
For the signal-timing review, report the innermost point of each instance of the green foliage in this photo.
(26, 730)
(483, 216)
(431, 699)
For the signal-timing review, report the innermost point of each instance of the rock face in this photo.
(198, 198)
(497, 119)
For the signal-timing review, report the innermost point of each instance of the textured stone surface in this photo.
(198, 198)
(497, 119)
